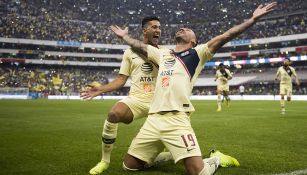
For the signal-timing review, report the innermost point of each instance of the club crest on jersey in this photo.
(169, 63)
(146, 68)
(148, 87)
(165, 81)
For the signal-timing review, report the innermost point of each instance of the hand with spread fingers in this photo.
(91, 91)
(119, 31)
(263, 10)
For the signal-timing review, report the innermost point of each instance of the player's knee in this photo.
(127, 168)
(114, 117)
(131, 163)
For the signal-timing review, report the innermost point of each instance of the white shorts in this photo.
(286, 90)
(171, 130)
(139, 108)
(222, 87)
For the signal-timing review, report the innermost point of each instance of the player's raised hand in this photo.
(263, 10)
(119, 31)
(90, 91)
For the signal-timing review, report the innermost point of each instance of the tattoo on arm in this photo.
(136, 45)
(232, 33)
(237, 30)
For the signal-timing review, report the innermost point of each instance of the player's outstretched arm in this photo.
(136, 45)
(95, 90)
(220, 40)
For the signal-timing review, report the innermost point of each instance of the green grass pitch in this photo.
(44, 137)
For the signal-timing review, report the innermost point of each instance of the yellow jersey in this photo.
(285, 74)
(176, 77)
(143, 75)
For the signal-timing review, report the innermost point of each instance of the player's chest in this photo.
(141, 67)
(172, 67)
(136, 60)
(286, 73)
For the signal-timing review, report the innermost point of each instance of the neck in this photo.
(145, 41)
(182, 47)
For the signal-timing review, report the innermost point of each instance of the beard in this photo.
(179, 39)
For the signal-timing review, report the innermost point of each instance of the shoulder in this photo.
(203, 50)
(128, 52)
(164, 50)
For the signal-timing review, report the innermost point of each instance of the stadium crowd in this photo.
(50, 79)
(68, 80)
(88, 21)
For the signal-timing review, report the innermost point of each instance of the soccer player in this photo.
(168, 123)
(241, 90)
(222, 75)
(284, 75)
(143, 78)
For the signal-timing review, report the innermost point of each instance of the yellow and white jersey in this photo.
(177, 75)
(222, 76)
(285, 74)
(143, 75)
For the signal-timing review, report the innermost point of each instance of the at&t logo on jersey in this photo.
(147, 68)
(169, 63)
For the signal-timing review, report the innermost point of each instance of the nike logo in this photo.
(134, 58)
(190, 149)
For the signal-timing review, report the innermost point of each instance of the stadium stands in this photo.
(69, 41)
(89, 21)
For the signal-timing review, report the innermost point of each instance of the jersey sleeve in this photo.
(125, 65)
(154, 54)
(203, 52)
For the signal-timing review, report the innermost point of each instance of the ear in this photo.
(193, 42)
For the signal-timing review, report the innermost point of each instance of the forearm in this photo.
(237, 30)
(230, 34)
(116, 84)
(109, 87)
(137, 45)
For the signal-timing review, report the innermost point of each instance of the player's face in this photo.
(187, 35)
(287, 62)
(152, 32)
(222, 67)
